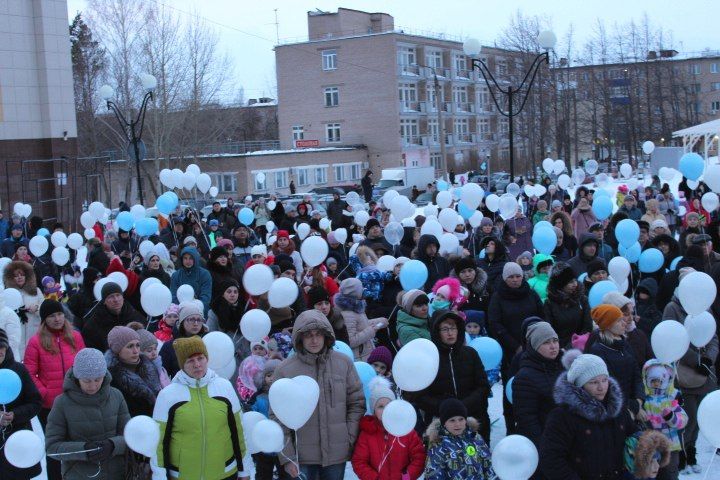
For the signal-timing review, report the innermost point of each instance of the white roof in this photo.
(708, 128)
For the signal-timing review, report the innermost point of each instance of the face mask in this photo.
(441, 304)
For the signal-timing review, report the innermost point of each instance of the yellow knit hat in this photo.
(187, 347)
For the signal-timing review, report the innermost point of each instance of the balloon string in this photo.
(709, 467)
(96, 449)
(295, 462)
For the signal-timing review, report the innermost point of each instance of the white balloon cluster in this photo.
(22, 209)
(191, 178)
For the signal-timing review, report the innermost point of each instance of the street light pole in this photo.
(472, 49)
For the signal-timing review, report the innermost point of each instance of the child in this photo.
(164, 331)
(249, 367)
(456, 449)
(381, 360)
(413, 316)
(149, 349)
(541, 213)
(663, 409)
(379, 454)
(645, 454)
(265, 463)
(525, 260)
(332, 267)
(474, 324)
(539, 282)
(52, 290)
(448, 295)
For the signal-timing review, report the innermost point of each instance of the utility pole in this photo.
(441, 124)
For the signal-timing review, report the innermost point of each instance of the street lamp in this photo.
(472, 48)
(133, 129)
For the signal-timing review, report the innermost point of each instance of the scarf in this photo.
(228, 315)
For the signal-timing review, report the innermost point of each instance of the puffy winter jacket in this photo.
(579, 262)
(10, 322)
(623, 367)
(539, 282)
(361, 330)
(460, 457)
(48, 369)
(409, 328)
(379, 455)
(195, 276)
(509, 307)
(437, 266)
(662, 405)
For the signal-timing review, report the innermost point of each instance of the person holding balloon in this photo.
(20, 401)
(191, 322)
(21, 276)
(361, 331)
(191, 273)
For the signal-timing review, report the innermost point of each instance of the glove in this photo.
(103, 452)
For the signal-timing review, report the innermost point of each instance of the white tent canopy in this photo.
(709, 131)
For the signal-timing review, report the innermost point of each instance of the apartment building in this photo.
(359, 80)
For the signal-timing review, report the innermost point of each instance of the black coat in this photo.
(160, 274)
(460, 375)
(25, 407)
(438, 267)
(493, 267)
(508, 308)
(567, 315)
(623, 367)
(584, 439)
(533, 393)
(99, 323)
(647, 310)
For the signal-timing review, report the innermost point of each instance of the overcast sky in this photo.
(247, 27)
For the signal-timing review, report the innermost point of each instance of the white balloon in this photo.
(492, 202)
(341, 236)
(513, 189)
(666, 174)
(712, 177)
(185, 293)
(648, 147)
(669, 341)
(146, 248)
(475, 219)
(227, 371)
(188, 181)
(18, 209)
(563, 181)
(255, 325)
(221, 349)
(432, 227)
(283, 292)
(558, 167)
(193, 168)
(416, 365)
(58, 239)
(166, 177)
(693, 184)
(38, 246)
(430, 209)
(448, 219)
(472, 195)
(324, 223)
(619, 268)
(591, 166)
(399, 418)
(204, 182)
(97, 288)
(97, 210)
(625, 170)
(87, 220)
(249, 421)
(27, 210)
(293, 400)
(508, 206)
(515, 458)
(386, 263)
(578, 176)
(142, 435)
(314, 250)
(710, 201)
(24, 449)
(61, 256)
(156, 299)
(707, 417)
(89, 233)
(548, 165)
(12, 298)
(137, 211)
(120, 279)
(177, 178)
(267, 436)
(696, 292)
(74, 241)
(632, 183)
(444, 199)
(303, 230)
(81, 258)
(213, 192)
(449, 243)
(147, 282)
(539, 190)
(701, 328)
(388, 197)
(602, 180)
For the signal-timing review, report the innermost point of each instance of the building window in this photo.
(259, 186)
(320, 175)
(694, 69)
(432, 98)
(460, 97)
(329, 59)
(461, 65)
(227, 182)
(409, 131)
(332, 132)
(715, 106)
(484, 126)
(434, 59)
(434, 131)
(436, 161)
(298, 132)
(406, 56)
(501, 67)
(62, 178)
(302, 176)
(504, 126)
(408, 97)
(483, 96)
(462, 129)
(339, 173)
(715, 86)
(714, 68)
(281, 179)
(332, 96)
(355, 171)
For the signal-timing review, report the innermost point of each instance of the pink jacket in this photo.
(48, 369)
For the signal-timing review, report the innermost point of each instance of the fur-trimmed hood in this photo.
(640, 450)
(581, 403)
(435, 432)
(30, 281)
(478, 285)
(366, 256)
(346, 302)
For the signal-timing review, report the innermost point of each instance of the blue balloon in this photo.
(651, 260)
(125, 221)
(366, 372)
(600, 192)
(10, 386)
(602, 207)
(544, 240)
(582, 277)
(413, 274)
(43, 232)
(508, 390)
(631, 254)
(166, 203)
(691, 165)
(343, 347)
(146, 227)
(543, 224)
(482, 253)
(467, 339)
(465, 211)
(246, 216)
(442, 185)
(598, 291)
(627, 232)
(174, 196)
(489, 350)
(673, 264)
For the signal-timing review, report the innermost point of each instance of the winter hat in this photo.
(262, 343)
(4, 342)
(213, 223)
(605, 315)
(658, 224)
(486, 222)
(452, 407)
(89, 364)
(511, 268)
(108, 289)
(640, 450)
(629, 197)
(16, 227)
(225, 243)
(218, 252)
(48, 307)
(595, 265)
(556, 203)
(475, 316)
(381, 354)
(539, 333)
(657, 371)
(46, 280)
(259, 377)
(683, 272)
(586, 367)
(258, 250)
(411, 297)
(331, 261)
(147, 339)
(285, 266)
(330, 238)
(173, 309)
(282, 234)
(525, 254)
(463, 264)
(190, 239)
(317, 295)
(120, 336)
(373, 222)
(351, 287)
(187, 347)
(400, 261)
(701, 239)
(379, 387)
(616, 298)
(189, 311)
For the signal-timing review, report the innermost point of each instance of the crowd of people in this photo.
(587, 389)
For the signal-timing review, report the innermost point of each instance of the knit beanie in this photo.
(317, 295)
(189, 310)
(187, 347)
(121, 336)
(89, 364)
(46, 280)
(605, 315)
(683, 272)
(331, 240)
(463, 264)
(381, 354)
(379, 387)
(486, 222)
(539, 333)
(259, 377)
(218, 252)
(452, 407)
(615, 298)
(49, 307)
(595, 265)
(586, 367)
(259, 250)
(511, 268)
(373, 222)
(262, 343)
(4, 342)
(173, 309)
(331, 261)
(147, 339)
(560, 275)
(108, 289)
(411, 297)
(351, 287)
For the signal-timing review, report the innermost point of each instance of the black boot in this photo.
(682, 461)
(690, 451)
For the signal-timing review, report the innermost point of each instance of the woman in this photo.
(190, 323)
(566, 308)
(474, 280)
(652, 211)
(89, 415)
(21, 276)
(492, 261)
(221, 270)
(582, 217)
(692, 225)
(584, 436)
(361, 330)
(666, 205)
(535, 381)
(317, 277)
(262, 216)
(153, 269)
(226, 310)
(283, 244)
(17, 414)
(562, 221)
(206, 445)
(81, 304)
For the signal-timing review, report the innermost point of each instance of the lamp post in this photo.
(133, 128)
(472, 48)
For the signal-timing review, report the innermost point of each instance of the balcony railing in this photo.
(463, 137)
(413, 140)
(410, 107)
(463, 74)
(464, 107)
(409, 70)
(431, 106)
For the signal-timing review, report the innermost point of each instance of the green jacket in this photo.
(539, 282)
(201, 436)
(77, 418)
(539, 216)
(409, 328)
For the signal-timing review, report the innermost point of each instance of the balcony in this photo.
(408, 70)
(463, 107)
(486, 108)
(430, 72)
(463, 137)
(483, 137)
(411, 141)
(463, 74)
(431, 106)
(411, 107)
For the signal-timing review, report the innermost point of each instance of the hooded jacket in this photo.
(662, 405)
(539, 282)
(360, 329)
(477, 290)
(493, 267)
(460, 457)
(580, 261)
(195, 276)
(568, 314)
(584, 438)
(81, 303)
(410, 328)
(32, 297)
(77, 418)
(438, 266)
(509, 307)
(327, 438)
(10, 322)
(364, 263)
(623, 367)
(648, 312)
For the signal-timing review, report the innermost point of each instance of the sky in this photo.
(247, 28)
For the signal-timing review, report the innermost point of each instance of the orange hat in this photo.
(605, 315)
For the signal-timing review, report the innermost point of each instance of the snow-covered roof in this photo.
(708, 128)
(275, 152)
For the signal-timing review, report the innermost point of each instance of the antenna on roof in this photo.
(277, 29)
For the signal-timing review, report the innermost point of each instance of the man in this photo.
(367, 186)
(124, 247)
(374, 236)
(191, 273)
(644, 239)
(587, 251)
(328, 437)
(243, 244)
(710, 257)
(335, 209)
(111, 311)
(10, 245)
(224, 218)
(630, 208)
(175, 234)
(605, 251)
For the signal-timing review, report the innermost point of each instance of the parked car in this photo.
(423, 199)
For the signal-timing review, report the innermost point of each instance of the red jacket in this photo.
(133, 278)
(404, 454)
(48, 369)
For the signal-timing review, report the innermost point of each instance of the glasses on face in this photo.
(448, 330)
(194, 320)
